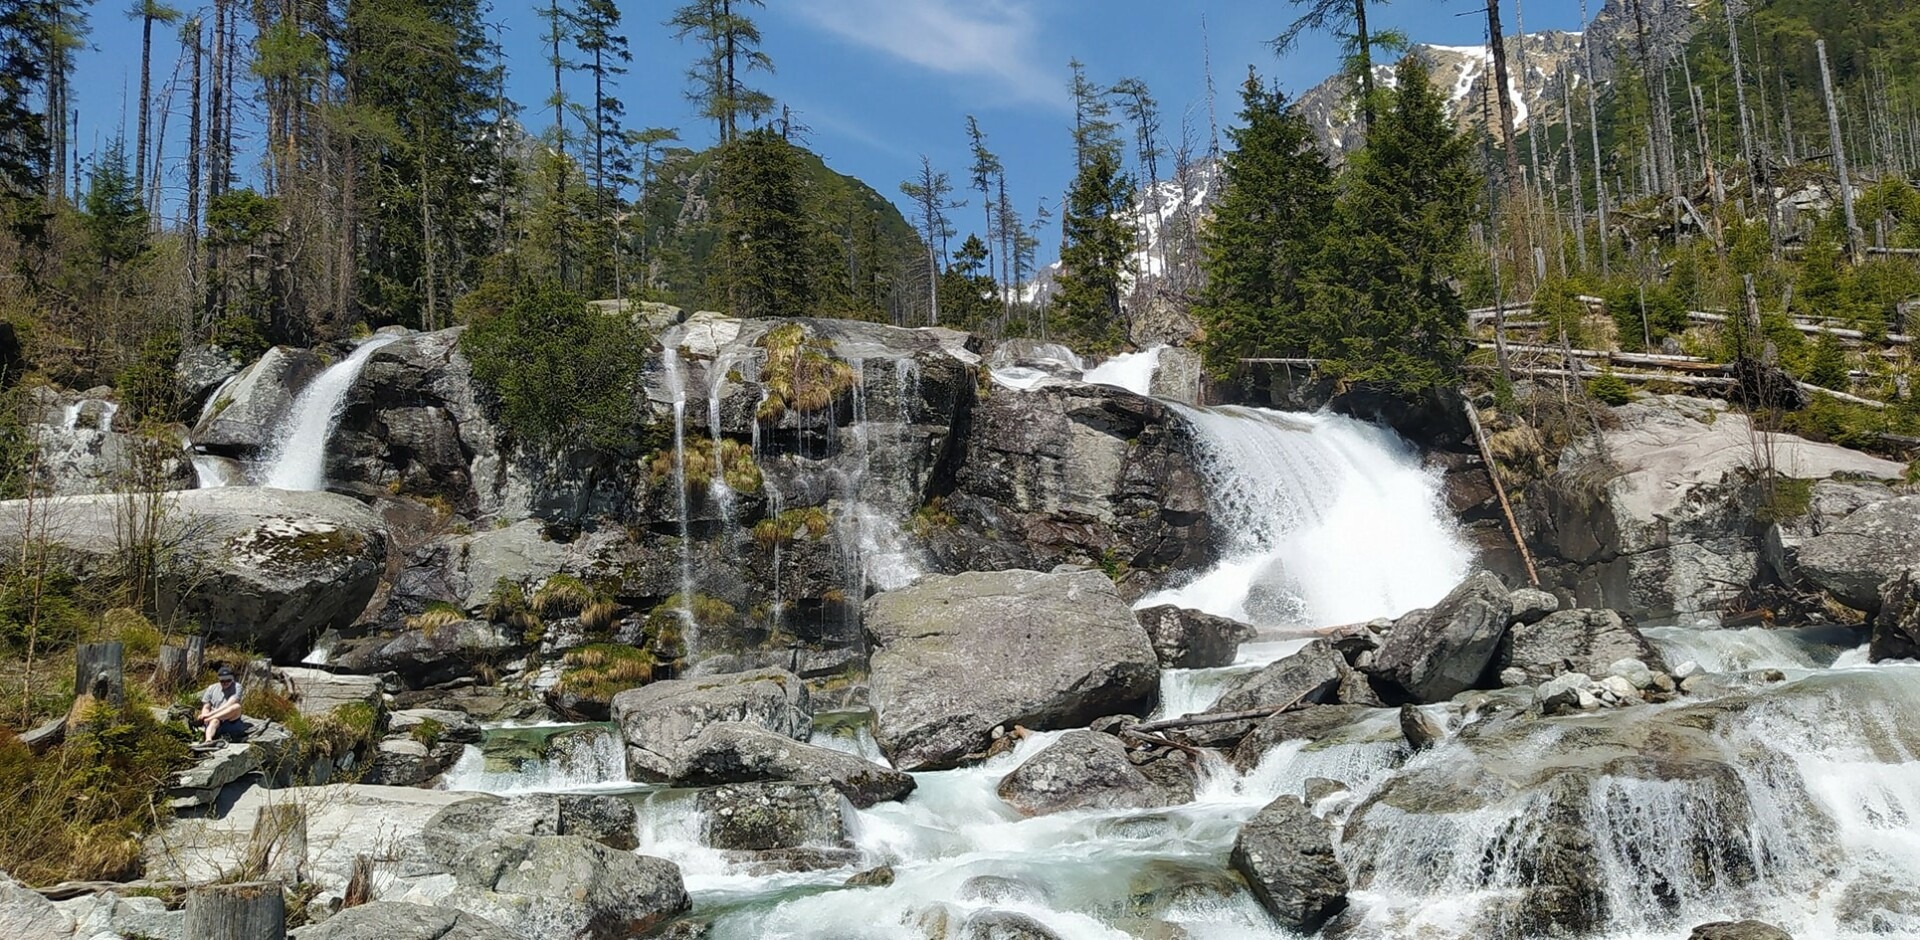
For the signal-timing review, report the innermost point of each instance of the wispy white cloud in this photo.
(994, 41)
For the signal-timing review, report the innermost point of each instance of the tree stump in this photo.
(170, 675)
(100, 670)
(196, 657)
(278, 848)
(251, 910)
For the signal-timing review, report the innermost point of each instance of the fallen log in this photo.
(1313, 696)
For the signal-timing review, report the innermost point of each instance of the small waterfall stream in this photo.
(298, 460)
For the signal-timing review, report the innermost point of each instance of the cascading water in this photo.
(1328, 521)
(571, 758)
(676, 386)
(298, 459)
(1131, 371)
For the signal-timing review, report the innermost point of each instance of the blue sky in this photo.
(880, 82)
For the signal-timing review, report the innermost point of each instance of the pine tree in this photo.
(1095, 254)
(1385, 308)
(1093, 130)
(23, 133)
(114, 212)
(1276, 203)
(1346, 19)
(604, 52)
(148, 12)
(716, 80)
(766, 264)
(930, 194)
(967, 287)
(985, 168)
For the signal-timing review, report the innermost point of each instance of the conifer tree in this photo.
(148, 12)
(765, 239)
(114, 213)
(930, 192)
(967, 287)
(1269, 226)
(1346, 19)
(985, 168)
(716, 80)
(23, 134)
(1385, 309)
(1095, 254)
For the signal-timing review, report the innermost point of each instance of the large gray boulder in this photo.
(1004, 925)
(733, 752)
(759, 817)
(262, 569)
(1089, 770)
(1654, 516)
(1434, 655)
(1286, 854)
(1317, 671)
(1586, 641)
(1857, 554)
(661, 721)
(1738, 930)
(422, 658)
(955, 657)
(243, 419)
(566, 888)
(26, 915)
(1193, 639)
(398, 920)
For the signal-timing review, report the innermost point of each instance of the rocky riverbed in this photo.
(912, 663)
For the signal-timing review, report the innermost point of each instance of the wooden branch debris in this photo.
(1311, 696)
(1897, 339)
(1697, 381)
(1500, 490)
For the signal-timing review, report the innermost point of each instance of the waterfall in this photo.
(1327, 520)
(298, 459)
(1131, 371)
(574, 758)
(677, 388)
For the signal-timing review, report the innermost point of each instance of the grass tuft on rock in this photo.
(599, 671)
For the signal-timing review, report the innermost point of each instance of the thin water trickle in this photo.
(298, 459)
(676, 386)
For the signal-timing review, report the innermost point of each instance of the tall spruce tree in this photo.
(930, 192)
(23, 134)
(604, 57)
(1095, 254)
(1269, 227)
(716, 81)
(985, 167)
(765, 265)
(1386, 310)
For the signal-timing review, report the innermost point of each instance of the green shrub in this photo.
(560, 371)
(428, 732)
(600, 671)
(802, 373)
(147, 386)
(735, 465)
(562, 595)
(1610, 388)
(78, 812)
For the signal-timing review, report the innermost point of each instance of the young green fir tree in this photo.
(1276, 203)
(764, 254)
(1386, 311)
(1095, 255)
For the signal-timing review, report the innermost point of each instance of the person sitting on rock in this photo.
(219, 715)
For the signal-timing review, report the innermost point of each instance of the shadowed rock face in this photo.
(1077, 474)
(955, 657)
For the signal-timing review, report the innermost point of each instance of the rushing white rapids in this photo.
(299, 457)
(1131, 371)
(1328, 521)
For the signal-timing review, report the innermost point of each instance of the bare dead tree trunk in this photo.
(1497, 50)
(1593, 129)
(1839, 151)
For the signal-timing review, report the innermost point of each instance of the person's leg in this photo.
(227, 712)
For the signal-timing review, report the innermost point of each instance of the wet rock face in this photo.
(758, 817)
(735, 752)
(566, 887)
(955, 657)
(413, 422)
(1076, 474)
(1587, 641)
(1286, 854)
(1896, 628)
(1433, 655)
(242, 420)
(1089, 770)
(1738, 930)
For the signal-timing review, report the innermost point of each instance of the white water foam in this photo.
(299, 456)
(590, 759)
(1131, 371)
(1328, 520)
